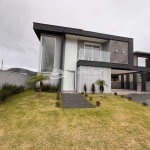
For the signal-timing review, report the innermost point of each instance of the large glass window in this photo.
(48, 48)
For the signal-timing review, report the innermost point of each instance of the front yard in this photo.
(28, 122)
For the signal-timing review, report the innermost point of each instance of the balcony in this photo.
(94, 55)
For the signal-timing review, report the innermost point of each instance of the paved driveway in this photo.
(140, 97)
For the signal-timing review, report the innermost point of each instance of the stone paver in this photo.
(140, 97)
(74, 100)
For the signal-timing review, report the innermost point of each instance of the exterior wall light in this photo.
(123, 51)
(116, 51)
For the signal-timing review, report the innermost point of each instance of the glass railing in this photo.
(94, 55)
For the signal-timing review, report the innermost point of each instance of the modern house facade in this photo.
(84, 57)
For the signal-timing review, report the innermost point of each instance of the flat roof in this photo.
(40, 28)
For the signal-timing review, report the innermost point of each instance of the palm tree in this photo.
(101, 84)
(38, 78)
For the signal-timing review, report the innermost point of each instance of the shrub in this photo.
(122, 95)
(57, 104)
(129, 98)
(47, 88)
(58, 93)
(144, 104)
(82, 93)
(86, 95)
(4, 94)
(8, 90)
(98, 103)
(115, 93)
(57, 97)
(93, 88)
(90, 98)
(85, 88)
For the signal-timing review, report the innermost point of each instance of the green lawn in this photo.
(28, 122)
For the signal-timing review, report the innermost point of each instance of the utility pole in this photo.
(2, 65)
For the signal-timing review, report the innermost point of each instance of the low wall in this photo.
(147, 86)
(115, 85)
(14, 78)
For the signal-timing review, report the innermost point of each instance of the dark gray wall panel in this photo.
(118, 57)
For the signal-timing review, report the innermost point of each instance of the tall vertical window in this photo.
(48, 49)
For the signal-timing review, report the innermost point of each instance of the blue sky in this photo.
(19, 46)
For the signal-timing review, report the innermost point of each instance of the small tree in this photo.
(93, 88)
(101, 84)
(85, 88)
(39, 78)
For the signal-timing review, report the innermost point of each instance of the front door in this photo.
(69, 81)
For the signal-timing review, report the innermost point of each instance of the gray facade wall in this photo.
(118, 57)
(14, 78)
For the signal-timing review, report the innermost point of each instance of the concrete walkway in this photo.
(74, 100)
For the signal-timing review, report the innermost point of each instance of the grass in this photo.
(28, 122)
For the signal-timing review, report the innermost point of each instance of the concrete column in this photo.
(134, 81)
(127, 82)
(61, 59)
(143, 81)
(122, 81)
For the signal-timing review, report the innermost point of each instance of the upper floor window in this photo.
(92, 52)
(142, 61)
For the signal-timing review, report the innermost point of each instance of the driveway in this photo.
(140, 97)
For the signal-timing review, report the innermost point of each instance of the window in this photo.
(92, 52)
(48, 48)
(142, 61)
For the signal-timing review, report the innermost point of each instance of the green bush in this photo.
(90, 98)
(129, 98)
(4, 94)
(48, 88)
(144, 104)
(82, 93)
(122, 95)
(57, 97)
(93, 88)
(98, 103)
(86, 95)
(115, 93)
(58, 93)
(57, 104)
(8, 90)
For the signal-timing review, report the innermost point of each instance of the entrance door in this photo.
(69, 81)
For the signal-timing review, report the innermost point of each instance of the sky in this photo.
(19, 46)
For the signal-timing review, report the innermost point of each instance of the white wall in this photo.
(89, 75)
(14, 78)
(70, 62)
